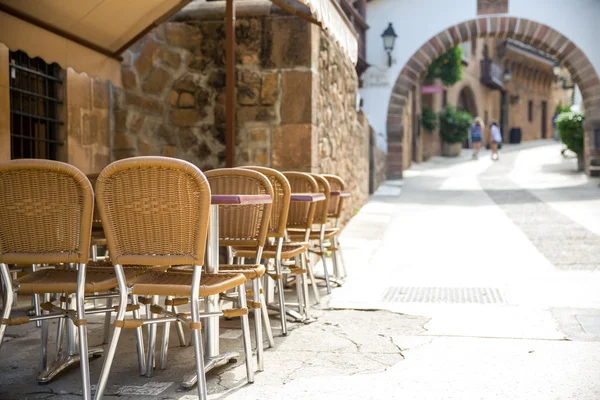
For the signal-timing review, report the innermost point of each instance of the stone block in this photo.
(184, 116)
(169, 151)
(169, 57)
(216, 80)
(255, 114)
(297, 97)
(182, 35)
(125, 141)
(129, 79)
(293, 146)
(187, 83)
(144, 61)
(287, 43)
(186, 100)
(202, 97)
(270, 88)
(259, 134)
(173, 97)
(157, 81)
(121, 117)
(248, 88)
(167, 134)
(145, 103)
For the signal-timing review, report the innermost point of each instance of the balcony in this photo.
(491, 74)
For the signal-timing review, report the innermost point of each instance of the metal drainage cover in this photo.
(449, 295)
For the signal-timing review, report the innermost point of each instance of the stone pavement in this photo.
(468, 280)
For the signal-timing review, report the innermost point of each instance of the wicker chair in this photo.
(45, 218)
(336, 208)
(155, 212)
(247, 226)
(321, 234)
(280, 250)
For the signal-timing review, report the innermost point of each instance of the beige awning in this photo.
(333, 20)
(86, 35)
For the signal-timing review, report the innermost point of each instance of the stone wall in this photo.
(378, 163)
(343, 138)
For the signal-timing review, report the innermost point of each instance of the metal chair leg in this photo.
(44, 344)
(36, 299)
(84, 363)
(246, 335)
(139, 338)
(334, 260)
(313, 281)
(280, 294)
(164, 348)
(151, 343)
(265, 316)
(341, 256)
(196, 334)
(325, 270)
(299, 293)
(8, 298)
(60, 331)
(107, 318)
(305, 286)
(258, 326)
(112, 347)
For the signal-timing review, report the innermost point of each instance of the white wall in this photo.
(417, 21)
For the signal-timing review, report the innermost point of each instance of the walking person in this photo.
(477, 136)
(495, 139)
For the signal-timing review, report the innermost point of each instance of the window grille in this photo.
(34, 107)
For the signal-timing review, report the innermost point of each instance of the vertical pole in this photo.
(230, 83)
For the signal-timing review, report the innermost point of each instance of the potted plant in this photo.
(454, 129)
(429, 120)
(570, 130)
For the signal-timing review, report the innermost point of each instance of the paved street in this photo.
(468, 280)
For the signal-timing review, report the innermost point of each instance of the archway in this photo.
(527, 31)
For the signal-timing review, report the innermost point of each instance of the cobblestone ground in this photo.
(468, 280)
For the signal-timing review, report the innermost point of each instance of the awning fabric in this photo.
(337, 25)
(86, 35)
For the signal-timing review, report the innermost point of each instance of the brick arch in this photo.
(527, 31)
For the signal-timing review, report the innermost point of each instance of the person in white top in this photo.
(495, 139)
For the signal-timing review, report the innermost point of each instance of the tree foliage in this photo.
(429, 119)
(454, 125)
(447, 67)
(570, 129)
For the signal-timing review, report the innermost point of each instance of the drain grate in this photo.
(450, 295)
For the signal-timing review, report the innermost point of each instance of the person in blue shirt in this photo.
(477, 136)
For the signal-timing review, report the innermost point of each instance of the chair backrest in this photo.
(154, 211)
(322, 206)
(301, 214)
(336, 203)
(244, 225)
(45, 213)
(96, 220)
(281, 200)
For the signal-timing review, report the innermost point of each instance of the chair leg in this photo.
(299, 293)
(280, 294)
(8, 298)
(107, 317)
(151, 343)
(325, 270)
(84, 363)
(36, 299)
(139, 338)
(44, 343)
(164, 348)
(334, 261)
(179, 326)
(305, 286)
(340, 254)
(112, 347)
(196, 334)
(265, 316)
(246, 335)
(60, 330)
(313, 281)
(258, 326)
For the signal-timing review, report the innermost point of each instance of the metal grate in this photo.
(448, 295)
(34, 107)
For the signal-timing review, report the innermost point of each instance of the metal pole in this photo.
(230, 83)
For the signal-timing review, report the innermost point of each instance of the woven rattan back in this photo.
(301, 214)
(96, 221)
(245, 225)
(336, 203)
(45, 213)
(154, 211)
(281, 200)
(322, 206)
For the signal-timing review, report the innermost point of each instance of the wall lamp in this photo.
(389, 38)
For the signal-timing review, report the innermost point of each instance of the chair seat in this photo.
(179, 283)
(97, 279)
(249, 271)
(288, 250)
(314, 235)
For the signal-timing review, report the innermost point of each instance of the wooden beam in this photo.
(230, 79)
